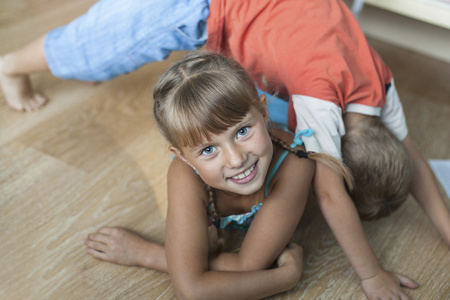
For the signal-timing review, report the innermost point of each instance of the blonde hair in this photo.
(324, 158)
(380, 166)
(203, 94)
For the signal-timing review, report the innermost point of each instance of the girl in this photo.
(229, 171)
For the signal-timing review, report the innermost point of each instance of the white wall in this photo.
(408, 33)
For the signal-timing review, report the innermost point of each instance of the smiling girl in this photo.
(229, 171)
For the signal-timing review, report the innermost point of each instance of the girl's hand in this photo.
(115, 244)
(387, 285)
(292, 260)
(124, 247)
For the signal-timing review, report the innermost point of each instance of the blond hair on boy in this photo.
(380, 167)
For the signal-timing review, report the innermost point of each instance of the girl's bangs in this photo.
(198, 115)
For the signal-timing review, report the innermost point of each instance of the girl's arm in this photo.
(343, 219)
(275, 222)
(187, 247)
(425, 190)
(278, 219)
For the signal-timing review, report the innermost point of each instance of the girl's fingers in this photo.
(113, 231)
(99, 237)
(406, 282)
(97, 254)
(94, 245)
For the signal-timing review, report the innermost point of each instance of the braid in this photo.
(335, 164)
(326, 159)
(212, 205)
(280, 142)
(212, 210)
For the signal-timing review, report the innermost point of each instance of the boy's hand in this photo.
(387, 285)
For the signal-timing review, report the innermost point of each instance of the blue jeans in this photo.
(118, 36)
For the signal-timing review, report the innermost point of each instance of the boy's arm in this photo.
(343, 219)
(425, 190)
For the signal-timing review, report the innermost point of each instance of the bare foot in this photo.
(121, 246)
(18, 91)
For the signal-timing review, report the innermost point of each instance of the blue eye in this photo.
(208, 150)
(243, 131)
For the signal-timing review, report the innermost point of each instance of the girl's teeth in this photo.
(245, 174)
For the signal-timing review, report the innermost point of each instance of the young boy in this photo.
(310, 52)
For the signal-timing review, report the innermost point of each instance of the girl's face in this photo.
(236, 160)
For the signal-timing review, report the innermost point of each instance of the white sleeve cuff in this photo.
(392, 115)
(325, 118)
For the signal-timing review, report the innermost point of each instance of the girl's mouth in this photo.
(245, 176)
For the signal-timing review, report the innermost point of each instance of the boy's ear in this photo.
(179, 154)
(263, 108)
(262, 99)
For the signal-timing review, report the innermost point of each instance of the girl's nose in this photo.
(235, 157)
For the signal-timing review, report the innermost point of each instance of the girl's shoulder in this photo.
(181, 178)
(289, 164)
(286, 167)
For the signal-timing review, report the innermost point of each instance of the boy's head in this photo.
(380, 167)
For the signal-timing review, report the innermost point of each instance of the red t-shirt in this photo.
(300, 47)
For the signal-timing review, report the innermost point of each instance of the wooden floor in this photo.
(94, 157)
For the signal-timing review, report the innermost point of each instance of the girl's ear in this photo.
(180, 154)
(263, 108)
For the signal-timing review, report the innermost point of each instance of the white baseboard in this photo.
(405, 32)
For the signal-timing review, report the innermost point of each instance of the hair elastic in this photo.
(301, 154)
